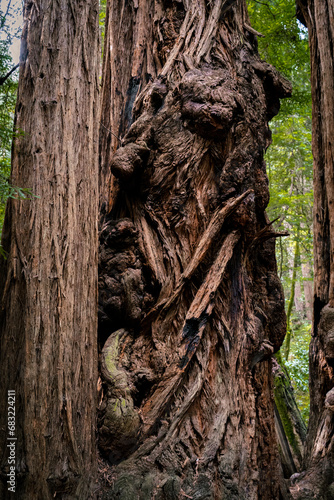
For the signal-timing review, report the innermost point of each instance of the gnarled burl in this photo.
(191, 308)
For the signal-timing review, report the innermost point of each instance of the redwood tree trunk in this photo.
(191, 308)
(318, 481)
(48, 285)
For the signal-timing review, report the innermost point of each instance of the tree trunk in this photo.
(296, 258)
(290, 427)
(191, 308)
(48, 286)
(307, 269)
(318, 481)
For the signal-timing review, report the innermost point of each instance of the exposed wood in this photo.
(191, 308)
(201, 251)
(190, 336)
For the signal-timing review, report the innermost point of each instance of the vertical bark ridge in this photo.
(48, 312)
(318, 478)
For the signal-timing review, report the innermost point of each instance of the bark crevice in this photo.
(205, 312)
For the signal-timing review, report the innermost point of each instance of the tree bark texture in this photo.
(290, 427)
(191, 308)
(48, 286)
(318, 480)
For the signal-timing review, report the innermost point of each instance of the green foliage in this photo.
(285, 46)
(7, 107)
(285, 406)
(8, 89)
(297, 365)
(102, 20)
(289, 166)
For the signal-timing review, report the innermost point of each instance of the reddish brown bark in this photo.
(48, 284)
(191, 308)
(318, 480)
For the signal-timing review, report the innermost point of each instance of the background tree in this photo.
(8, 88)
(48, 282)
(289, 166)
(318, 481)
(191, 307)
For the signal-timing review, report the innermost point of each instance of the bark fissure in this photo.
(191, 308)
(318, 479)
(48, 312)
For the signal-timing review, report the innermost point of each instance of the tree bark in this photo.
(307, 274)
(290, 427)
(318, 480)
(191, 308)
(296, 258)
(48, 285)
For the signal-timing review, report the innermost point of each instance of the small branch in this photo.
(108, 130)
(4, 78)
(6, 14)
(263, 235)
(268, 7)
(252, 30)
(265, 232)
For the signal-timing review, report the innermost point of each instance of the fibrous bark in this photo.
(318, 479)
(48, 283)
(191, 308)
(296, 259)
(290, 427)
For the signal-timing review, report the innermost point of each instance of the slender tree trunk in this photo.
(290, 427)
(299, 302)
(191, 308)
(296, 258)
(48, 285)
(307, 285)
(318, 481)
